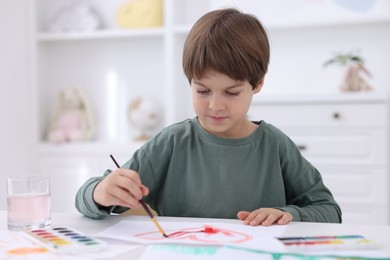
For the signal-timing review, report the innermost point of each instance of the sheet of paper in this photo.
(229, 253)
(13, 245)
(190, 252)
(234, 252)
(179, 252)
(215, 233)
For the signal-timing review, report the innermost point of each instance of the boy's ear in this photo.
(259, 86)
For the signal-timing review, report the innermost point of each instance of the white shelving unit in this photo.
(143, 62)
(346, 138)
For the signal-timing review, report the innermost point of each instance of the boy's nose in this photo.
(216, 104)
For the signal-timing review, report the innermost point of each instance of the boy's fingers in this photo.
(248, 217)
(255, 218)
(242, 215)
(122, 197)
(130, 185)
(122, 187)
(285, 219)
(259, 219)
(144, 190)
(265, 217)
(132, 205)
(130, 174)
(270, 219)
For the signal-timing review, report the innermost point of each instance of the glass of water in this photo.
(28, 202)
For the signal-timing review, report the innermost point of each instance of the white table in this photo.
(379, 233)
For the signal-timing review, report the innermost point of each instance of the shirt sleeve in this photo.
(307, 197)
(86, 205)
(314, 202)
(84, 200)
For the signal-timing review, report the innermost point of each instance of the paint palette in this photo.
(326, 243)
(65, 240)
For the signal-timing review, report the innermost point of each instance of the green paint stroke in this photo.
(183, 249)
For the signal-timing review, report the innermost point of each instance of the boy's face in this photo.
(222, 103)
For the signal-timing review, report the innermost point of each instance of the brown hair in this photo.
(229, 42)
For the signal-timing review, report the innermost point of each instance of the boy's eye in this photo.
(233, 93)
(202, 91)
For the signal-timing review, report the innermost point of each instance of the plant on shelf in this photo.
(355, 70)
(345, 59)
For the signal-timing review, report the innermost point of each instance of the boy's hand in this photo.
(265, 217)
(121, 187)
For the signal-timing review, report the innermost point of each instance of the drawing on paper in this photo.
(195, 233)
(26, 251)
(205, 234)
(12, 245)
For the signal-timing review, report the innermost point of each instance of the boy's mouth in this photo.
(218, 119)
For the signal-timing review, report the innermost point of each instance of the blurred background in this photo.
(84, 79)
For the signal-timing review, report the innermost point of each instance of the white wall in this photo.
(15, 129)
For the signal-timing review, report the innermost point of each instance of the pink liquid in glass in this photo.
(28, 210)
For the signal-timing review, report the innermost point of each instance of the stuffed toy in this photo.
(145, 115)
(72, 118)
(75, 17)
(140, 14)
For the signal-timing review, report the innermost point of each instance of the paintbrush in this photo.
(144, 206)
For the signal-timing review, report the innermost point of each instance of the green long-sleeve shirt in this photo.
(191, 173)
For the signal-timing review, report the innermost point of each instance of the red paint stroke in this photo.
(207, 229)
(206, 234)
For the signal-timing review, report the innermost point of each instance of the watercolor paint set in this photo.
(65, 240)
(326, 243)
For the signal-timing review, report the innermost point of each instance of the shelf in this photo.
(366, 97)
(100, 34)
(88, 148)
(275, 26)
(302, 14)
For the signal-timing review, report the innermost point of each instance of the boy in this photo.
(218, 164)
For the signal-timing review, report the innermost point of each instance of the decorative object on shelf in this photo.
(145, 115)
(75, 17)
(72, 118)
(140, 14)
(355, 71)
